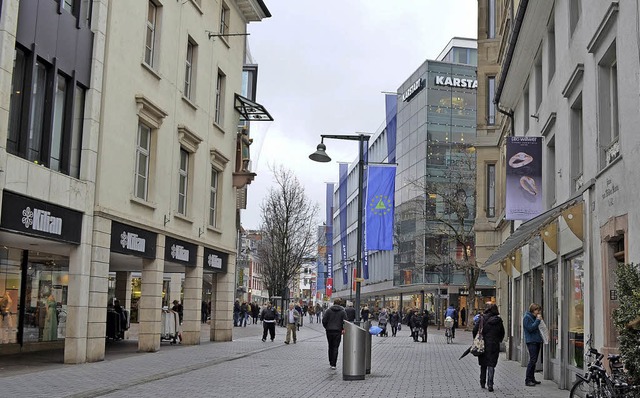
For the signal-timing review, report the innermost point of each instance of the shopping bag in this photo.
(544, 331)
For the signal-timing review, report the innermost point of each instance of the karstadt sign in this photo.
(456, 82)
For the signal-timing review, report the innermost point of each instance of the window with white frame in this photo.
(224, 19)
(220, 83)
(183, 181)
(577, 147)
(608, 106)
(189, 71)
(213, 198)
(491, 19)
(491, 107)
(143, 150)
(150, 42)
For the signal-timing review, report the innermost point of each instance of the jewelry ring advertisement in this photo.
(524, 178)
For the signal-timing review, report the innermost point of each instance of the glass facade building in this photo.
(429, 132)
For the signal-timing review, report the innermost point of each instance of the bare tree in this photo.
(445, 209)
(288, 225)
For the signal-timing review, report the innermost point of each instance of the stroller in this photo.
(383, 320)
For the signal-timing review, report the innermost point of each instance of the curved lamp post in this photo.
(320, 155)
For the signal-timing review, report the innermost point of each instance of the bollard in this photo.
(353, 352)
(367, 349)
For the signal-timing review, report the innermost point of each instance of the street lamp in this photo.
(321, 156)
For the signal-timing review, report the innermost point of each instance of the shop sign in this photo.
(126, 239)
(179, 251)
(465, 292)
(33, 217)
(215, 261)
(456, 82)
(413, 90)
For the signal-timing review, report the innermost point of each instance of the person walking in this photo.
(463, 316)
(383, 320)
(394, 320)
(533, 339)
(268, 317)
(364, 314)
(351, 312)
(491, 328)
(299, 309)
(255, 312)
(236, 313)
(318, 311)
(291, 319)
(333, 322)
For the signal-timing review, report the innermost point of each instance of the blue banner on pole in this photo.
(379, 211)
(329, 230)
(344, 171)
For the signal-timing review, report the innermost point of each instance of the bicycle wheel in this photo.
(582, 388)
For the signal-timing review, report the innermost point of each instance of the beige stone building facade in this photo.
(121, 167)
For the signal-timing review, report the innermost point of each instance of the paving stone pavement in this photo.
(247, 367)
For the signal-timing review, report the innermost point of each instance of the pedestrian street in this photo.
(248, 367)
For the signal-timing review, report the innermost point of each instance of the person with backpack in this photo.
(268, 317)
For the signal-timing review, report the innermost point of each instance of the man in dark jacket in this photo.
(351, 312)
(268, 318)
(333, 322)
(491, 328)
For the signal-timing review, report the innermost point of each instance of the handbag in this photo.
(477, 347)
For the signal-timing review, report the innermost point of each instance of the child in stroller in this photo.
(383, 319)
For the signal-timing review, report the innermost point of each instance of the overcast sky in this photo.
(323, 66)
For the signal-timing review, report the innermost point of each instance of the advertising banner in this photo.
(524, 178)
(379, 207)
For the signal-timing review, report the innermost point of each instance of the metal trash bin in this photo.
(353, 352)
(367, 349)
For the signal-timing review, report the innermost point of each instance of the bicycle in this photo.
(597, 383)
(448, 332)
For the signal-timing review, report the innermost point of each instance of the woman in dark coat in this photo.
(492, 331)
(394, 320)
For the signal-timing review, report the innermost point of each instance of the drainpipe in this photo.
(517, 25)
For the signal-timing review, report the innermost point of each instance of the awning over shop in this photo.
(250, 110)
(530, 229)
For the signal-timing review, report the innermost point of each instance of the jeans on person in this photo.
(394, 330)
(534, 350)
(333, 338)
(236, 317)
(486, 375)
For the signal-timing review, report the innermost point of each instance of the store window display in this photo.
(45, 296)
(576, 312)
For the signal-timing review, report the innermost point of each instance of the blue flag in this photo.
(381, 188)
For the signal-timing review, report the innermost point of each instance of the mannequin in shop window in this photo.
(50, 332)
(5, 312)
